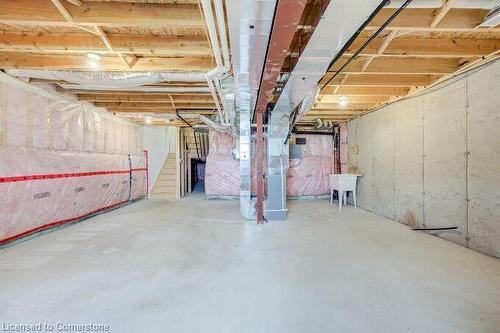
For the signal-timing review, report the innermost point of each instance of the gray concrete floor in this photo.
(196, 266)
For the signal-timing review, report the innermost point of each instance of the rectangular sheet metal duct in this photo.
(250, 24)
(339, 22)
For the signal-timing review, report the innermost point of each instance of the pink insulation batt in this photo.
(60, 162)
(306, 176)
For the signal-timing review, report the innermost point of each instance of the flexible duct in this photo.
(139, 89)
(109, 79)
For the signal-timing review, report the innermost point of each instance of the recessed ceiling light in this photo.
(94, 64)
(343, 100)
(93, 56)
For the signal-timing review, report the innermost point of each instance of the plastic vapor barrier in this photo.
(222, 171)
(307, 175)
(62, 162)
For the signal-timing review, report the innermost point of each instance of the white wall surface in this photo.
(159, 141)
(434, 160)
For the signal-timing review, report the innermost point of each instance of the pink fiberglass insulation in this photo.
(306, 176)
(60, 162)
(309, 174)
(222, 171)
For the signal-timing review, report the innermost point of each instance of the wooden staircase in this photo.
(197, 149)
(165, 187)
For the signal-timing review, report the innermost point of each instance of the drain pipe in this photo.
(212, 77)
(212, 34)
(222, 66)
(211, 87)
(221, 24)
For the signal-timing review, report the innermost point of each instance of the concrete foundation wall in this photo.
(434, 160)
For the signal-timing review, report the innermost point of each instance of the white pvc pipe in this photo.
(221, 23)
(212, 34)
(214, 94)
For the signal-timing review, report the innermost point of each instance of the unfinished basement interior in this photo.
(250, 166)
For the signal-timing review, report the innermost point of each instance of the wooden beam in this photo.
(75, 2)
(351, 99)
(420, 19)
(387, 40)
(102, 13)
(62, 10)
(401, 66)
(80, 62)
(370, 80)
(368, 91)
(442, 12)
(97, 30)
(336, 106)
(106, 42)
(326, 113)
(429, 47)
(84, 43)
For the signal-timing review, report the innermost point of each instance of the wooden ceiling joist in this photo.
(352, 99)
(421, 47)
(420, 19)
(380, 80)
(84, 43)
(428, 47)
(338, 106)
(395, 65)
(81, 62)
(442, 12)
(366, 91)
(94, 13)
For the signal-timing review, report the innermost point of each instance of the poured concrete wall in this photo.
(434, 160)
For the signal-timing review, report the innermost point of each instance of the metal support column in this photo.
(259, 149)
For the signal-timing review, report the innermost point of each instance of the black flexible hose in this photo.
(365, 44)
(443, 228)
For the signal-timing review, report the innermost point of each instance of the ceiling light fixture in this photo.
(343, 100)
(93, 64)
(148, 120)
(93, 56)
